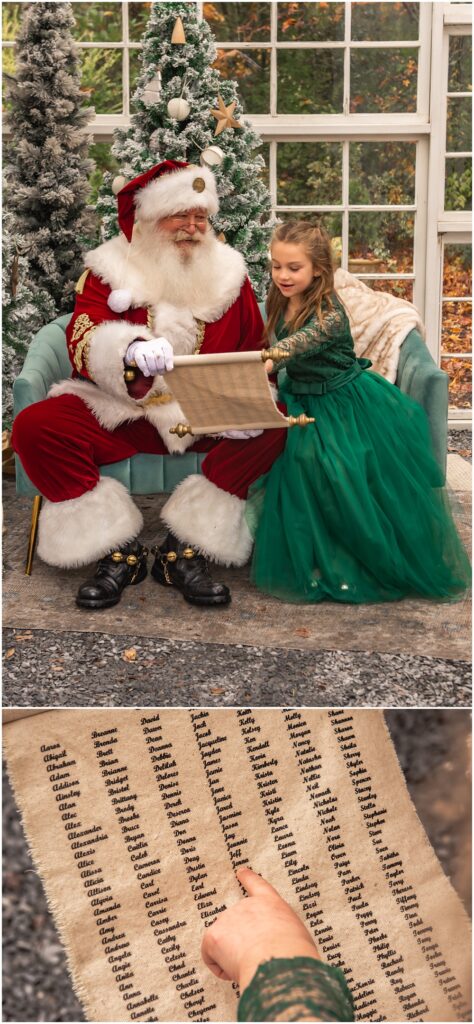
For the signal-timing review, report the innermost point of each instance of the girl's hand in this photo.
(269, 365)
(256, 929)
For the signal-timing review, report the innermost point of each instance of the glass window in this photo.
(382, 173)
(97, 22)
(460, 64)
(384, 21)
(310, 81)
(251, 68)
(309, 173)
(383, 81)
(403, 289)
(456, 323)
(459, 124)
(318, 22)
(102, 79)
(380, 242)
(138, 15)
(458, 184)
(239, 22)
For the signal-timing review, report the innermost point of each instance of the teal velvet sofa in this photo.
(47, 362)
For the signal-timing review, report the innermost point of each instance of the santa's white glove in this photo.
(241, 435)
(154, 356)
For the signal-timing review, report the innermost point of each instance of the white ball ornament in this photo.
(178, 108)
(212, 156)
(119, 300)
(118, 183)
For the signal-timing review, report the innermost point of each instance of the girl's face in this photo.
(292, 269)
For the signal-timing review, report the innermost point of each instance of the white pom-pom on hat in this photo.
(118, 183)
(119, 300)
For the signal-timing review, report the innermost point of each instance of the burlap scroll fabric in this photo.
(138, 819)
(224, 392)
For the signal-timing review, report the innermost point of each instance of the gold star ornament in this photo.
(224, 117)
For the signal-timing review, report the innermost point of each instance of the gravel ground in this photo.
(432, 746)
(92, 668)
(460, 441)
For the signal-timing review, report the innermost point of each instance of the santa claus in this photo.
(166, 285)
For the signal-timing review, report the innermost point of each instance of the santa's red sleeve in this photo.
(98, 338)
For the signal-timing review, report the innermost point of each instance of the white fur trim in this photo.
(120, 300)
(165, 416)
(212, 520)
(177, 325)
(173, 193)
(109, 410)
(83, 529)
(108, 346)
(207, 296)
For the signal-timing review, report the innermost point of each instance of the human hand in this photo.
(154, 356)
(269, 365)
(254, 930)
(241, 435)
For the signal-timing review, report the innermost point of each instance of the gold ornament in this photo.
(178, 37)
(224, 117)
(199, 185)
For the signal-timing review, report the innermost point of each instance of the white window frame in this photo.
(443, 226)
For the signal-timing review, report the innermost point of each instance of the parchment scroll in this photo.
(224, 392)
(137, 820)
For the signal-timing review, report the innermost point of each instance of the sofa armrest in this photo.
(46, 362)
(420, 378)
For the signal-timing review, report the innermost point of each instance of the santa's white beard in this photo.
(182, 273)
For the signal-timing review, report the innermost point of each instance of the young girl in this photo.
(353, 510)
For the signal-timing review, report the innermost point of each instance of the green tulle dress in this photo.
(354, 509)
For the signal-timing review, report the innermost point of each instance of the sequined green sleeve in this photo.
(294, 990)
(313, 335)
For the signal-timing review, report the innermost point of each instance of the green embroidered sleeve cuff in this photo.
(296, 989)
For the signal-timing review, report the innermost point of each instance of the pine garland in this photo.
(244, 216)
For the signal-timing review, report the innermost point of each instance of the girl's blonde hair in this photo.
(317, 244)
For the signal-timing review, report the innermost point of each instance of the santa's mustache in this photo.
(182, 236)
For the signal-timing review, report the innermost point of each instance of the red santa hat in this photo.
(168, 188)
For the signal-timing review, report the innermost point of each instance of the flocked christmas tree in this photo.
(26, 308)
(47, 166)
(177, 91)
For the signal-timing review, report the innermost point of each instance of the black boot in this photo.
(124, 567)
(179, 565)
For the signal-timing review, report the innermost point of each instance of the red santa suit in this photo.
(97, 417)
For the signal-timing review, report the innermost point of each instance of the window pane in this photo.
(384, 241)
(460, 382)
(456, 327)
(97, 22)
(102, 79)
(383, 80)
(239, 22)
(460, 64)
(134, 68)
(310, 81)
(11, 20)
(459, 124)
(458, 184)
(318, 23)
(402, 289)
(457, 269)
(138, 16)
(264, 151)
(384, 21)
(8, 68)
(382, 172)
(309, 173)
(251, 68)
(101, 153)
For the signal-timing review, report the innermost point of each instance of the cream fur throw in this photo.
(379, 322)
